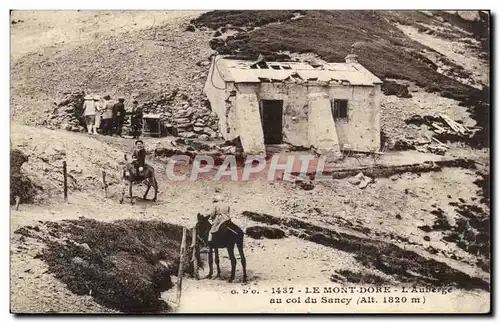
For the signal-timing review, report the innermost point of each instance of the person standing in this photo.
(98, 113)
(89, 113)
(136, 119)
(119, 116)
(107, 116)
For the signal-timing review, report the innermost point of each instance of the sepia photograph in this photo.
(250, 161)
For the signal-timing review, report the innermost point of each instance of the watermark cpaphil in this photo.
(283, 167)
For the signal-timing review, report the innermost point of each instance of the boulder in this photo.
(184, 125)
(360, 180)
(203, 63)
(198, 129)
(209, 132)
(203, 137)
(365, 181)
(180, 121)
(393, 88)
(187, 134)
(306, 185)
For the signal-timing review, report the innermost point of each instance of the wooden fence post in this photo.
(105, 185)
(65, 181)
(181, 266)
(194, 245)
(18, 200)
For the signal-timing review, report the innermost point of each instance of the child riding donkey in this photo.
(139, 157)
(138, 172)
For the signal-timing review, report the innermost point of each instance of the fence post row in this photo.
(194, 246)
(65, 174)
(181, 266)
(104, 183)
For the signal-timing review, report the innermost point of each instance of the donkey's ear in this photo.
(200, 217)
(207, 217)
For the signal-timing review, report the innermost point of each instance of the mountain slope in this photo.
(145, 61)
(378, 38)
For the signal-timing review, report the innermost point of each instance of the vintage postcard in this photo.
(250, 161)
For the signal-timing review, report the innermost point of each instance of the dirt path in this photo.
(271, 263)
(454, 50)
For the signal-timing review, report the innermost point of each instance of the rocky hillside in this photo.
(46, 150)
(127, 54)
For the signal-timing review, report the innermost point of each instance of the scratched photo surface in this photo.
(290, 161)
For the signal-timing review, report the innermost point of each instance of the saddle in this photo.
(134, 174)
(139, 178)
(227, 225)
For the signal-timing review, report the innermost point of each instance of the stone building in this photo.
(330, 107)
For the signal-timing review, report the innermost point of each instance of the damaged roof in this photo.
(240, 71)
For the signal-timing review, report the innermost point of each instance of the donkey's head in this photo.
(203, 226)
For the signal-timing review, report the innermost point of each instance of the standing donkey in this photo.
(130, 177)
(228, 235)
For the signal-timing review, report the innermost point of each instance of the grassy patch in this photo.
(243, 18)
(121, 264)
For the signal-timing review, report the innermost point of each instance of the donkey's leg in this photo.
(130, 193)
(155, 186)
(124, 185)
(210, 263)
(243, 259)
(230, 251)
(147, 191)
(217, 261)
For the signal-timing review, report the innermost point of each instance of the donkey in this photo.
(229, 234)
(131, 177)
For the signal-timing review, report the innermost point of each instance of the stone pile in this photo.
(66, 113)
(179, 115)
(184, 118)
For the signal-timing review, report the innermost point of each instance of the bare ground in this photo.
(270, 262)
(125, 53)
(457, 51)
(390, 210)
(396, 206)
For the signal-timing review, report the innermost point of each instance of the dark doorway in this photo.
(271, 113)
(340, 114)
